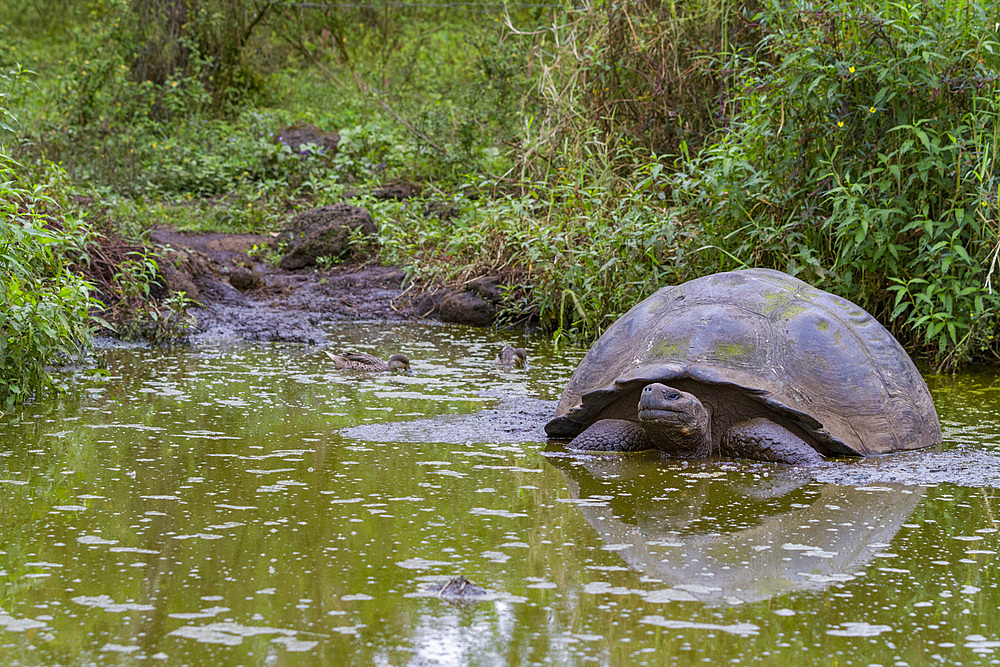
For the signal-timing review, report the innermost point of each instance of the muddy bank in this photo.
(515, 419)
(962, 466)
(240, 297)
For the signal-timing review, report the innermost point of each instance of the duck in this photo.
(362, 361)
(512, 356)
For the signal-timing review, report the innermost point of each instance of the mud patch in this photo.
(290, 306)
(960, 466)
(515, 420)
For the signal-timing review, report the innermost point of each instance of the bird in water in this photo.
(362, 361)
(512, 356)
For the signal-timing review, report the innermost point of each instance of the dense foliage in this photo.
(45, 316)
(588, 153)
(863, 157)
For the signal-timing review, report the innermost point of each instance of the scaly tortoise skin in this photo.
(782, 371)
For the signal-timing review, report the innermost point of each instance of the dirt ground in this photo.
(283, 305)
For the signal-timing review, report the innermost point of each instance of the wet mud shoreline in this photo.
(278, 305)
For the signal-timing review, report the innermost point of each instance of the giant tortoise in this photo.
(749, 364)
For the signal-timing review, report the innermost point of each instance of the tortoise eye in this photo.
(673, 396)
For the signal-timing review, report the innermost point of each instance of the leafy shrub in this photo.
(45, 316)
(162, 59)
(652, 71)
(45, 308)
(862, 156)
(132, 310)
(582, 246)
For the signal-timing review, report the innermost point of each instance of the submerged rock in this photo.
(458, 589)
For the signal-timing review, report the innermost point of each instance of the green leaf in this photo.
(923, 138)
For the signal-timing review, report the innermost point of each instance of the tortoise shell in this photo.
(762, 339)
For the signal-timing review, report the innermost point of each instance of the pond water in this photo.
(207, 506)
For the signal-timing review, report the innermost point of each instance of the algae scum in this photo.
(246, 505)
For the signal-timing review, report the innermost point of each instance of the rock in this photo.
(399, 191)
(429, 303)
(181, 269)
(296, 136)
(476, 304)
(486, 287)
(467, 308)
(457, 589)
(245, 279)
(178, 280)
(323, 232)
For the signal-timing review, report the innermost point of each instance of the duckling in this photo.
(512, 356)
(362, 361)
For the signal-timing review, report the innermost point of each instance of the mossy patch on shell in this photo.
(776, 300)
(792, 311)
(725, 351)
(671, 348)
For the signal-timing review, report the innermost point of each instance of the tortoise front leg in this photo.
(612, 435)
(761, 439)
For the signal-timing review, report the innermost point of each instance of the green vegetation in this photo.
(588, 155)
(863, 158)
(45, 305)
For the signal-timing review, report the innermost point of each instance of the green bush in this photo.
(45, 317)
(651, 71)
(45, 308)
(862, 157)
(582, 246)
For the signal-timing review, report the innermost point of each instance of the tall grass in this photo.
(581, 247)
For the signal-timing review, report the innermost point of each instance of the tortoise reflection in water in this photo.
(748, 364)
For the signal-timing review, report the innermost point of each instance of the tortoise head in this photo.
(399, 361)
(676, 421)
